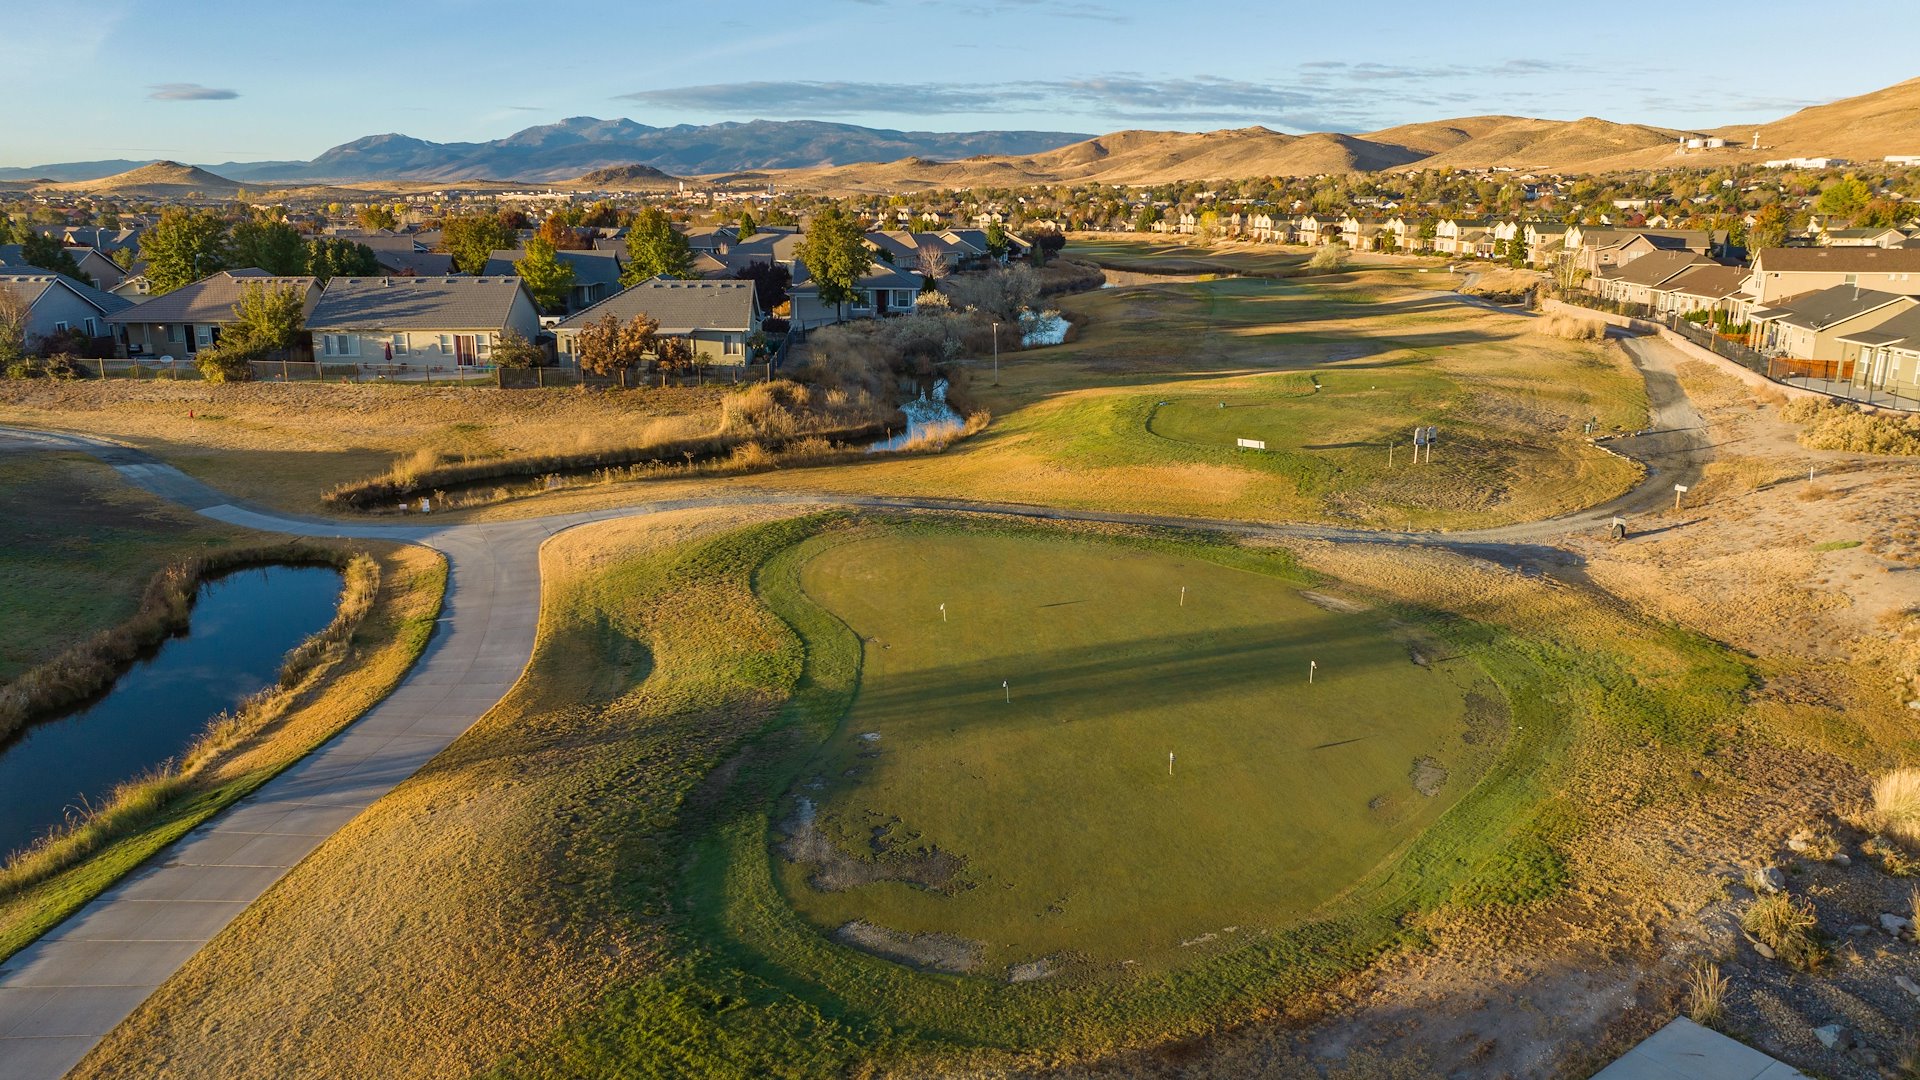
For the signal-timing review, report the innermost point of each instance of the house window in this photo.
(1853, 279)
(731, 346)
(93, 328)
(399, 344)
(202, 336)
(59, 328)
(902, 298)
(483, 343)
(340, 344)
(446, 343)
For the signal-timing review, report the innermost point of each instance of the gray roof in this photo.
(881, 276)
(1840, 260)
(1902, 330)
(1658, 267)
(681, 307)
(418, 263)
(589, 267)
(1827, 308)
(30, 286)
(415, 303)
(209, 300)
(1707, 280)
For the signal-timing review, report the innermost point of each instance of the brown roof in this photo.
(1839, 260)
(1659, 266)
(1711, 281)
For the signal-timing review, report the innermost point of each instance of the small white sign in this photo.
(1679, 487)
(1253, 444)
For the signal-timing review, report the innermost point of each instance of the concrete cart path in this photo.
(62, 994)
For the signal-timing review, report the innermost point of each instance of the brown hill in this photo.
(1585, 145)
(159, 180)
(623, 178)
(1864, 128)
(1434, 136)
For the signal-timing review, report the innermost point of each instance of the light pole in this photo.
(996, 354)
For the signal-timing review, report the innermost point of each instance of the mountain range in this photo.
(844, 157)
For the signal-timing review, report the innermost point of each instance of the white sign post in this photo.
(1169, 763)
(1678, 490)
(1252, 444)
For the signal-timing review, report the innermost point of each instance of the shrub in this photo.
(1836, 425)
(1787, 928)
(513, 350)
(224, 362)
(1329, 260)
(1896, 805)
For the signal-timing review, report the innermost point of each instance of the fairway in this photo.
(980, 832)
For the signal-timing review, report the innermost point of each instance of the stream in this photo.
(242, 626)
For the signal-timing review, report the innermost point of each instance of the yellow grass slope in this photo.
(159, 180)
(1865, 128)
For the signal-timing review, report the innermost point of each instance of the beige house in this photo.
(1887, 357)
(1807, 330)
(715, 317)
(192, 317)
(420, 324)
(1782, 272)
(1460, 236)
(1636, 282)
(1709, 288)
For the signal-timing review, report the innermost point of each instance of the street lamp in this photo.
(996, 354)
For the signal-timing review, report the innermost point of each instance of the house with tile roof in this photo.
(419, 323)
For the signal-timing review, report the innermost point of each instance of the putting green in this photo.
(1000, 831)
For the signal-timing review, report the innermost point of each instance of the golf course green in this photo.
(1001, 791)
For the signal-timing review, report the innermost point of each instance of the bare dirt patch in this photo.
(929, 952)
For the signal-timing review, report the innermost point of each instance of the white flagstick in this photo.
(1169, 763)
(1312, 666)
(943, 613)
(1183, 596)
(1008, 689)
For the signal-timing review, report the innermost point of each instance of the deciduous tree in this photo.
(472, 240)
(513, 350)
(183, 247)
(547, 277)
(655, 249)
(273, 246)
(328, 257)
(43, 251)
(378, 216)
(836, 255)
(606, 346)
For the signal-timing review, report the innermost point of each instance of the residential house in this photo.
(1881, 238)
(190, 318)
(1635, 282)
(1779, 273)
(1314, 230)
(1359, 233)
(883, 290)
(1272, 227)
(57, 304)
(93, 264)
(419, 323)
(596, 274)
(905, 250)
(1546, 241)
(1806, 330)
(1709, 288)
(716, 317)
(1886, 357)
(1461, 236)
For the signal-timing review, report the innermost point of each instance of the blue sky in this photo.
(209, 81)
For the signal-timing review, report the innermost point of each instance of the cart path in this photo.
(61, 995)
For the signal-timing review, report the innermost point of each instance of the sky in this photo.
(210, 81)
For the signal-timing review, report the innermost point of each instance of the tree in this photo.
(836, 254)
(43, 251)
(1207, 228)
(996, 240)
(183, 247)
(546, 277)
(1146, 219)
(328, 257)
(1329, 260)
(747, 227)
(770, 283)
(473, 240)
(608, 347)
(513, 350)
(932, 266)
(9, 232)
(1769, 227)
(376, 216)
(14, 313)
(1568, 274)
(562, 236)
(122, 258)
(655, 249)
(674, 353)
(1845, 197)
(273, 246)
(1047, 244)
(268, 319)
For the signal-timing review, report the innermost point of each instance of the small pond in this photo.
(242, 626)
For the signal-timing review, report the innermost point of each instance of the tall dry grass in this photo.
(1568, 327)
(1786, 927)
(136, 803)
(1706, 994)
(1896, 805)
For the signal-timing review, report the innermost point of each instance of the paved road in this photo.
(61, 995)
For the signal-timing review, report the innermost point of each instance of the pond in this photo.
(926, 416)
(243, 625)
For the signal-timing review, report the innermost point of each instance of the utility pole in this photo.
(996, 354)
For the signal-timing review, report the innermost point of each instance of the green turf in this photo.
(1074, 837)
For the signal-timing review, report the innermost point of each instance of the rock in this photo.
(1859, 929)
(1894, 924)
(1841, 858)
(1833, 1036)
(1912, 988)
(1763, 949)
(1771, 880)
(1799, 841)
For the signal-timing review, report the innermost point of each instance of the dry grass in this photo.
(1568, 327)
(1706, 994)
(1786, 927)
(1834, 425)
(1896, 805)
